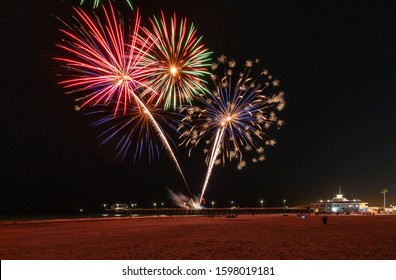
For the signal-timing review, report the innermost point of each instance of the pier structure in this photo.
(209, 211)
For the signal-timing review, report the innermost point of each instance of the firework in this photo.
(106, 62)
(180, 59)
(110, 69)
(135, 131)
(97, 2)
(235, 119)
(139, 128)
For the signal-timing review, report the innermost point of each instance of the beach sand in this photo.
(244, 237)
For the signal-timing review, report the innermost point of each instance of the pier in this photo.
(208, 211)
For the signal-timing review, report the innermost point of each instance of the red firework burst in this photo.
(107, 62)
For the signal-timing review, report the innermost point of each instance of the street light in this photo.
(104, 206)
(232, 203)
(284, 203)
(155, 205)
(162, 205)
(261, 202)
(212, 204)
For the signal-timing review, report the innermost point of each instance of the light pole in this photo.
(284, 203)
(162, 205)
(212, 204)
(261, 203)
(232, 203)
(155, 205)
(104, 206)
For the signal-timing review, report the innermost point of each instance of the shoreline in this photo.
(98, 217)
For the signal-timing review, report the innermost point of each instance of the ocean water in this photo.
(34, 217)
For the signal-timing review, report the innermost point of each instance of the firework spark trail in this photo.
(214, 154)
(235, 118)
(97, 2)
(137, 125)
(135, 129)
(181, 62)
(164, 140)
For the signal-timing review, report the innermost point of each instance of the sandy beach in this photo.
(244, 237)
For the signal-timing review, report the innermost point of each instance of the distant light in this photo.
(81, 210)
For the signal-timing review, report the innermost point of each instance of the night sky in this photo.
(336, 64)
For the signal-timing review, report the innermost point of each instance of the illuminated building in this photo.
(339, 204)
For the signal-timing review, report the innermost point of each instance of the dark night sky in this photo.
(335, 61)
